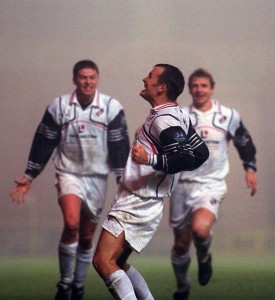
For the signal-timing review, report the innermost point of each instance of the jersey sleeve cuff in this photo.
(30, 178)
(152, 160)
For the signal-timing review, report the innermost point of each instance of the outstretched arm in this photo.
(45, 140)
(18, 194)
(251, 182)
(247, 152)
(244, 144)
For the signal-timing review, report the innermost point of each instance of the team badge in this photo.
(180, 136)
(222, 119)
(99, 112)
(213, 201)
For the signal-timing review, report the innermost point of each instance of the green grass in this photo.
(234, 278)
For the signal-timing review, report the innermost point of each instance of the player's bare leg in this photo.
(109, 250)
(139, 284)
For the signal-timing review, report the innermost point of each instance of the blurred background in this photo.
(42, 39)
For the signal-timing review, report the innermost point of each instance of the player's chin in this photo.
(143, 94)
(88, 93)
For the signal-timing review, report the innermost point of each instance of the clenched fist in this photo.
(139, 155)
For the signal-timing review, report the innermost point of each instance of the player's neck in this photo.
(203, 106)
(85, 100)
(160, 101)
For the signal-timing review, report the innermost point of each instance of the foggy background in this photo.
(41, 41)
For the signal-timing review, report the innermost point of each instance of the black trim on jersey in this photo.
(151, 136)
(159, 184)
(118, 143)
(245, 147)
(179, 155)
(46, 138)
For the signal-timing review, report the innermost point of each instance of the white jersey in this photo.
(83, 146)
(144, 180)
(86, 141)
(173, 145)
(215, 127)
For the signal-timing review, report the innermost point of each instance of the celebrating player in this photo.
(196, 199)
(88, 132)
(166, 144)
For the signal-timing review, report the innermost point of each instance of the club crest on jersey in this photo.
(179, 136)
(81, 128)
(213, 201)
(222, 119)
(99, 112)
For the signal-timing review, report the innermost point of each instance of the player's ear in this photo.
(163, 87)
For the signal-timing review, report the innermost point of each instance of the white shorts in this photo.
(138, 217)
(91, 189)
(190, 196)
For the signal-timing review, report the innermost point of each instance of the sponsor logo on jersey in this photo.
(204, 134)
(81, 128)
(180, 136)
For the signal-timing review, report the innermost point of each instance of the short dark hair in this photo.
(201, 73)
(174, 80)
(84, 64)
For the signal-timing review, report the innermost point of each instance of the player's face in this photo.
(86, 82)
(201, 92)
(151, 84)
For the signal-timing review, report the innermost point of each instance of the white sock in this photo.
(120, 286)
(180, 265)
(83, 261)
(140, 286)
(67, 254)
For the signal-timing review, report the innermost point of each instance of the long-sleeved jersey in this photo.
(173, 146)
(217, 127)
(83, 141)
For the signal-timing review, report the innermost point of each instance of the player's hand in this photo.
(251, 182)
(18, 194)
(139, 155)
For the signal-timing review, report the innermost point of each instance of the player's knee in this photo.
(71, 228)
(181, 247)
(98, 262)
(200, 232)
(86, 242)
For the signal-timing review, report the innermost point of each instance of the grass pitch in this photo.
(234, 278)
